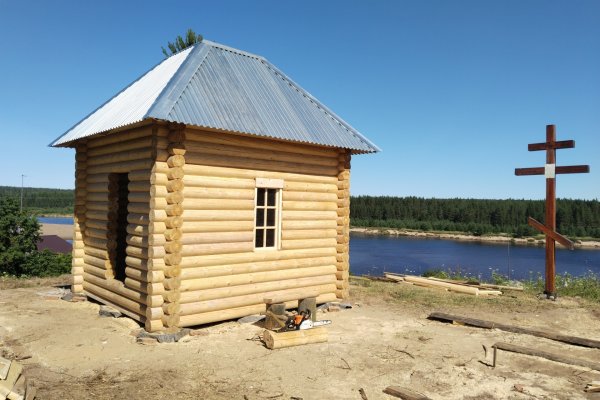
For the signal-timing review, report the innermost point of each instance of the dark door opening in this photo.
(118, 198)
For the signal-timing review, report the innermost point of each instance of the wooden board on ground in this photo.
(544, 354)
(404, 393)
(579, 341)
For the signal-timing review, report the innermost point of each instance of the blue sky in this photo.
(452, 91)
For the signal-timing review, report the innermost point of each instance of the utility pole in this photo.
(22, 177)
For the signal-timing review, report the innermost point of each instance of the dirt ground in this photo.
(385, 339)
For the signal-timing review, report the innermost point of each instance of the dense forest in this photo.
(41, 201)
(578, 218)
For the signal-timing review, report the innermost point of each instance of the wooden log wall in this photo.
(77, 269)
(139, 294)
(211, 186)
(167, 212)
(343, 225)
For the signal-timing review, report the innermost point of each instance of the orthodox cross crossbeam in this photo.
(550, 170)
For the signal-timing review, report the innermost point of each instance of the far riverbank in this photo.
(460, 236)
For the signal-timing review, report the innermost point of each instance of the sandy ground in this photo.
(60, 230)
(591, 244)
(385, 339)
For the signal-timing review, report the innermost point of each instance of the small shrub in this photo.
(46, 263)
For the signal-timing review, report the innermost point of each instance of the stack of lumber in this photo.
(12, 383)
(452, 286)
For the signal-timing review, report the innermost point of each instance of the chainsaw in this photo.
(302, 321)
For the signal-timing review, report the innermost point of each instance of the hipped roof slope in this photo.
(214, 86)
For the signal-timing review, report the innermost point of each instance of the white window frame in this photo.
(277, 185)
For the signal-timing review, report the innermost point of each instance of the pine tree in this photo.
(180, 43)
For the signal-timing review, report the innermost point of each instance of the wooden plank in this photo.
(554, 235)
(574, 340)
(561, 358)
(561, 144)
(404, 393)
(279, 340)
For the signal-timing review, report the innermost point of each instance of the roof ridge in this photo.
(233, 49)
(171, 93)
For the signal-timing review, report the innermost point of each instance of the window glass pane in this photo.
(260, 197)
(271, 197)
(271, 217)
(259, 238)
(270, 238)
(260, 217)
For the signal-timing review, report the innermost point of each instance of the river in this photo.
(374, 255)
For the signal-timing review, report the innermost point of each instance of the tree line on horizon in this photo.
(578, 218)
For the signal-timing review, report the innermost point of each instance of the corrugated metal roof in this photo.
(213, 86)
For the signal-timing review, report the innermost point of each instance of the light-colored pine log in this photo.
(308, 224)
(309, 234)
(280, 340)
(309, 196)
(99, 272)
(255, 164)
(120, 157)
(218, 215)
(100, 243)
(239, 258)
(216, 248)
(141, 264)
(173, 222)
(145, 276)
(311, 187)
(217, 226)
(159, 179)
(324, 284)
(142, 176)
(172, 296)
(172, 246)
(242, 301)
(175, 185)
(173, 234)
(132, 145)
(172, 283)
(117, 138)
(118, 288)
(153, 325)
(197, 150)
(171, 308)
(174, 210)
(171, 320)
(218, 204)
(308, 215)
(176, 161)
(256, 277)
(218, 193)
(139, 186)
(223, 315)
(139, 230)
(191, 181)
(307, 243)
(203, 137)
(174, 198)
(309, 206)
(97, 262)
(95, 224)
(172, 271)
(172, 259)
(115, 298)
(151, 289)
(120, 167)
(217, 237)
(100, 187)
(233, 172)
(176, 149)
(262, 266)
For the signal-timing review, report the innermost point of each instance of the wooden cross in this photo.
(550, 170)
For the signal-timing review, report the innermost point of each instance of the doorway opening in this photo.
(118, 198)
